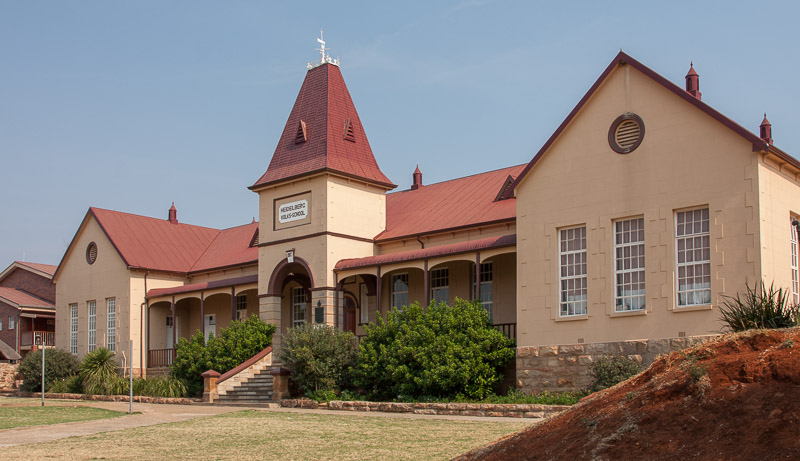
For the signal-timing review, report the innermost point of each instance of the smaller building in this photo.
(27, 308)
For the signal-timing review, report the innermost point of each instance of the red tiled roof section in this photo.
(457, 203)
(152, 243)
(325, 106)
(231, 247)
(46, 268)
(22, 299)
(432, 252)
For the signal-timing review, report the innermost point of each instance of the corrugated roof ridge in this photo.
(93, 208)
(221, 234)
(38, 266)
(456, 179)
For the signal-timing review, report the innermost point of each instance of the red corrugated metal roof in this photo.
(432, 252)
(230, 248)
(202, 286)
(154, 243)
(462, 202)
(46, 268)
(325, 106)
(21, 299)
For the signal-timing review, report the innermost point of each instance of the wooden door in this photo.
(349, 314)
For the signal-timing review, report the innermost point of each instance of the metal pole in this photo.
(42, 374)
(130, 402)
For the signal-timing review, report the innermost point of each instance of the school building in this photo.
(622, 235)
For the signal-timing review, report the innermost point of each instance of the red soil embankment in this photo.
(736, 398)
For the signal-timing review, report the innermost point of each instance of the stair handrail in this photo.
(245, 365)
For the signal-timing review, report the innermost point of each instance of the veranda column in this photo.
(269, 310)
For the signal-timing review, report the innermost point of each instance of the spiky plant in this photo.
(99, 373)
(759, 307)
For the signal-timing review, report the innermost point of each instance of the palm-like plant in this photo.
(99, 373)
(759, 307)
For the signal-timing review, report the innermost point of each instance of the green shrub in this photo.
(239, 342)
(610, 370)
(68, 385)
(319, 357)
(440, 352)
(759, 307)
(159, 386)
(99, 373)
(191, 360)
(59, 365)
(235, 344)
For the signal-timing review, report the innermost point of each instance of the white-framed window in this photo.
(629, 265)
(299, 303)
(440, 285)
(572, 271)
(399, 290)
(486, 278)
(693, 262)
(91, 308)
(11, 324)
(364, 304)
(241, 308)
(111, 324)
(1, 324)
(73, 329)
(795, 275)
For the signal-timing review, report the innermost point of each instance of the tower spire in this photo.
(325, 58)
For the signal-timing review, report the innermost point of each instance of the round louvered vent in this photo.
(626, 133)
(91, 253)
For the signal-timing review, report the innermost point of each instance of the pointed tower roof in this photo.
(323, 133)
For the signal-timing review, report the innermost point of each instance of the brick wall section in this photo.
(7, 373)
(565, 368)
(453, 409)
(8, 336)
(36, 285)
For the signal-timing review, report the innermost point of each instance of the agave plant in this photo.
(759, 307)
(99, 373)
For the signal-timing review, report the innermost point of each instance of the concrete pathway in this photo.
(150, 414)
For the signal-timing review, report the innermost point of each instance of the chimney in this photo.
(417, 179)
(693, 83)
(173, 214)
(765, 132)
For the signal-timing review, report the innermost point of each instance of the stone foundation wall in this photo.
(454, 409)
(112, 398)
(8, 371)
(565, 368)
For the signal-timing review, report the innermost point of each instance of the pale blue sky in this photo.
(131, 106)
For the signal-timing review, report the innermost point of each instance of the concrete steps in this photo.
(255, 389)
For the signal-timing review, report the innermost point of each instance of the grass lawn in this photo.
(35, 416)
(277, 435)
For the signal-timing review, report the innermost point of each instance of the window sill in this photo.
(572, 318)
(700, 307)
(629, 313)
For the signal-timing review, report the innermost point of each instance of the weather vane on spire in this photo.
(325, 58)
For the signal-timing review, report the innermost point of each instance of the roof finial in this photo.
(325, 58)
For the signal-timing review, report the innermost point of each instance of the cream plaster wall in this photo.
(686, 159)
(79, 282)
(779, 203)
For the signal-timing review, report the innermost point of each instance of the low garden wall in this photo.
(8, 372)
(111, 398)
(565, 368)
(455, 409)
